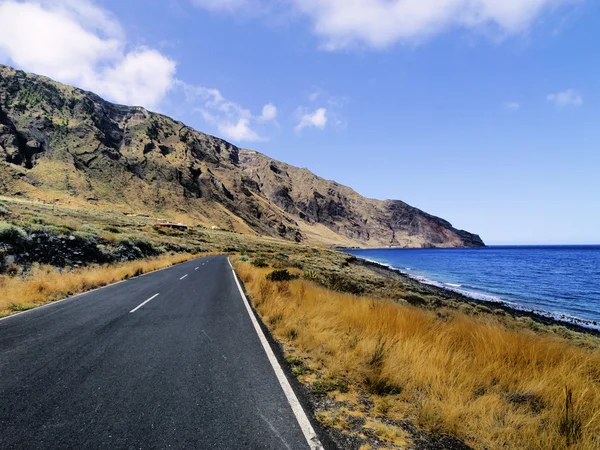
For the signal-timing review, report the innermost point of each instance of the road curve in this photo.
(167, 360)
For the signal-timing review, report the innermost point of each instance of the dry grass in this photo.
(470, 377)
(44, 284)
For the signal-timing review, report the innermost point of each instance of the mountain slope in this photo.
(59, 143)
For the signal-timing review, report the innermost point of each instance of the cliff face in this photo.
(63, 144)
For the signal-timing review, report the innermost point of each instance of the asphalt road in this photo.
(185, 370)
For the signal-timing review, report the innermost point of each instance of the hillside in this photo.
(67, 146)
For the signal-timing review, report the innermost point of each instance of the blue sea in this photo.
(557, 281)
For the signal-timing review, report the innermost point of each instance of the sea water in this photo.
(557, 281)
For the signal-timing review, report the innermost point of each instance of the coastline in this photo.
(451, 293)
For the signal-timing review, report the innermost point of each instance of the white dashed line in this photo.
(138, 307)
(183, 277)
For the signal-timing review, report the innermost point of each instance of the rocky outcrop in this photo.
(70, 145)
(62, 248)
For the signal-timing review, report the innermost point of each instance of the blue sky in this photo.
(483, 112)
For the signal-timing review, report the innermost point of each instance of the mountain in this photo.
(62, 144)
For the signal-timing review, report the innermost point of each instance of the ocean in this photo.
(556, 281)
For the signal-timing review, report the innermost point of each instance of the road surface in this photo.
(169, 360)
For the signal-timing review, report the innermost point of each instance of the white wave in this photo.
(558, 316)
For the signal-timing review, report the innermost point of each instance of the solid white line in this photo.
(309, 433)
(183, 277)
(138, 307)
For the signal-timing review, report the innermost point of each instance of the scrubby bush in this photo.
(3, 210)
(297, 265)
(11, 234)
(312, 275)
(415, 299)
(281, 275)
(145, 246)
(86, 236)
(342, 283)
(259, 262)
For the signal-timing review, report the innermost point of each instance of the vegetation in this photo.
(44, 284)
(471, 377)
(11, 234)
(260, 263)
(281, 275)
(376, 350)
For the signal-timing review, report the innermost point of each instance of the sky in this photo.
(483, 112)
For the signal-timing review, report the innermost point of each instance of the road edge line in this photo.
(307, 429)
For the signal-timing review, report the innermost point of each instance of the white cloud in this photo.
(239, 131)
(269, 112)
(512, 106)
(570, 97)
(233, 121)
(316, 119)
(142, 77)
(381, 23)
(76, 42)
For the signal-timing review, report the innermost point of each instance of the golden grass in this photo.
(44, 284)
(470, 377)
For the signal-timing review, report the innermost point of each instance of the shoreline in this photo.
(516, 311)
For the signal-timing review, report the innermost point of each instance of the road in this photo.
(169, 360)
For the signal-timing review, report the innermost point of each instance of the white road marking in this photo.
(183, 277)
(196, 268)
(57, 302)
(139, 306)
(307, 429)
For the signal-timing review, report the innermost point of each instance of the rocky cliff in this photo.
(61, 144)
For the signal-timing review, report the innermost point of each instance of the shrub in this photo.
(343, 283)
(86, 236)
(297, 265)
(415, 299)
(3, 210)
(146, 247)
(312, 275)
(112, 229)
(260, 263)
(281, 275)
(11, 234)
